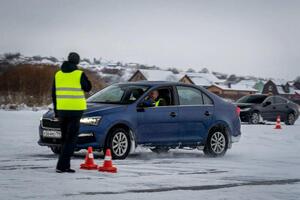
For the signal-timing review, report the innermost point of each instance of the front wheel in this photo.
(290, 119)
(216, 144)
(119, 143)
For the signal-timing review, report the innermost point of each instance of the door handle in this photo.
(207, 113)
(173, 114)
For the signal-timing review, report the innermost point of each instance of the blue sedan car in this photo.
(118, 118)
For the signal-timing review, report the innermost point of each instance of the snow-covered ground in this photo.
(263, 165)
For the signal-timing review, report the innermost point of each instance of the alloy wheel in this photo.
(218, 142)
(255, 118)
(119, 144)
(291, 118)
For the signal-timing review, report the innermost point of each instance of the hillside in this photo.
(110, 71)
(28, 79)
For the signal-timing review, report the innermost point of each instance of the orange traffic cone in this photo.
(278, 125)
(89, 161)
(107, 165)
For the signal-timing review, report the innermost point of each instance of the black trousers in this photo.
(69, 129)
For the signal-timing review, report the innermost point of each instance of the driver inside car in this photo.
(153, 100)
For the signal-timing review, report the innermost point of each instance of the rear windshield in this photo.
(252, 99)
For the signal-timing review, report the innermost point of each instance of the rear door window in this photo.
(270, 99)
(279, 100)
(192, 96)
(189, 96)
(206, 99)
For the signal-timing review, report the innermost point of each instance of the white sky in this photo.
(259, 38)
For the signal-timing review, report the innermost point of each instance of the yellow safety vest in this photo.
(157, 102)
(69, 95)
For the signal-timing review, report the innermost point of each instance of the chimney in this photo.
(229, 85)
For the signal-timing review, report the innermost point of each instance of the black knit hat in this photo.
(74, 58)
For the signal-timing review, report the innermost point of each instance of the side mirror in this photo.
(146, 104)
(267, 103)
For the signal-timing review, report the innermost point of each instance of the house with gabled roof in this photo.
(200, 79)
(231, 91)
(276, 87)
(282, 88)
(252, 83)
(153, 75)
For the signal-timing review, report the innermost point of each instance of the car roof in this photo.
(154, 83)
(266, 95)
(259, 95)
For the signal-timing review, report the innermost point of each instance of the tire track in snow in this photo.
(197, 188)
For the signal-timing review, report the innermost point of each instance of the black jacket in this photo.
(86, 86)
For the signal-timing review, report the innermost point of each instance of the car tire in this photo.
(216, 144)
(160, 150)
(56, 150)
(119, 143)
(290, 119)
(254, 118)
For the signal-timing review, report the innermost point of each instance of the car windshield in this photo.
(252, 99)
(118, 94)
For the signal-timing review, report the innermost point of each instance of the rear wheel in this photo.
(119, 143)
(255, 118)
(216, 144)
(56, 150)
(290, 119)
(160, 150)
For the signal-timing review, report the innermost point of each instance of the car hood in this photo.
(94, 109)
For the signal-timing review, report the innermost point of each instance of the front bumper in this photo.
(57, 141)
(87, 136)
(77, 147)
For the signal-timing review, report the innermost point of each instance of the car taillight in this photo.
(238, 111)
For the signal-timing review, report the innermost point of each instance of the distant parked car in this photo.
(256, 108)
(119, 118)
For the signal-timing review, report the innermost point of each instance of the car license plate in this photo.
(51, 134)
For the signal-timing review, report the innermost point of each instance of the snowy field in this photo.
(265, 164)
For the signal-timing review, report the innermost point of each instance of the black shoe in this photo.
(59, 171)
(70, 170)
(65, 171)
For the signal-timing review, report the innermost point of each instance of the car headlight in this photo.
(92, 121)
(245, 109)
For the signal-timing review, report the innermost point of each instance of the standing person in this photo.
(69, 102)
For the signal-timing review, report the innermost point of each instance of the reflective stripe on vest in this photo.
(157, 102)
(69, 95)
